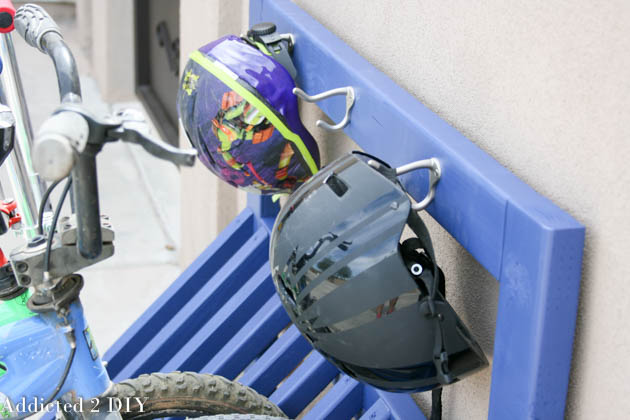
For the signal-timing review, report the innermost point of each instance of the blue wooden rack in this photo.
(222, 315)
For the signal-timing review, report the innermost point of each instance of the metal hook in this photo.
(435, 171)
(432, 164)
(347, 91)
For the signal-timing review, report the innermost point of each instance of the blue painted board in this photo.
(219, 329)
(343, 401)
(277, 362)
(400, 406)
(250, 341)
(304, 384)
(377, 411)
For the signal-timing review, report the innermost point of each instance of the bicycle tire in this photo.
(188, 394)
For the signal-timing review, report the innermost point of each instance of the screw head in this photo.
(416, 269)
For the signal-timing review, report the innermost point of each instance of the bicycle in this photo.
(48, 359)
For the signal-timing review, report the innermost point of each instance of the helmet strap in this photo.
(439, 352)
(278, 46)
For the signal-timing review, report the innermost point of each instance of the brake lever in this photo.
(133, 129)
(71, 129)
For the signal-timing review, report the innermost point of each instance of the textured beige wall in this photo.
(543, 87)
(113, 49)
(207, 204)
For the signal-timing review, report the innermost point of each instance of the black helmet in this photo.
(369, 303)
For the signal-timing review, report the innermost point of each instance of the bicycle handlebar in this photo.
(7, 15)
(40, 31)
(69, 141)
(58, 159)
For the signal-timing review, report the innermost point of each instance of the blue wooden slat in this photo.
(401, 406)
(264, 208)
(537, 309)
(251, 340)
(219, 329)
(520, 237)
(205, 303)
(277, 362)
(343, 401)
(378, 411)
(304, 384)
(180, 292)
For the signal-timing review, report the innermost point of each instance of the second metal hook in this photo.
(347, 91)
(435, 172)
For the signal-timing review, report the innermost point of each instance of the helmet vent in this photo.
(336, 184)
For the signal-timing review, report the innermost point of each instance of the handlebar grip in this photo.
(7, 16)
(32, 22)
(58, 140)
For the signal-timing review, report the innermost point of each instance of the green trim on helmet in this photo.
(15, 310)
(232, 82)
(263, 48)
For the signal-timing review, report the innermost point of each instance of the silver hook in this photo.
(434, 176)
(347, 91)
(435, 172)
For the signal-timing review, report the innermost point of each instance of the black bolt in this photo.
(25, 280)
(21, 267)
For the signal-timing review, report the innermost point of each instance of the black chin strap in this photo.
(439, 284)
(423, 240)
(436, 404)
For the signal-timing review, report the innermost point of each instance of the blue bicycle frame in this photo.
(34, 352)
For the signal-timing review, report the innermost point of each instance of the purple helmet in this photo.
(237, 106)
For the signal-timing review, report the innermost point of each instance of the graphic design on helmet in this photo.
(237, 107)
(190, 82)
(368, 301)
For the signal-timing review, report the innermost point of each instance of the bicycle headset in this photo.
(372, 305)
(237, 107)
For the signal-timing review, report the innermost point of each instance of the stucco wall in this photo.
(113, 48)
(543, 87)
